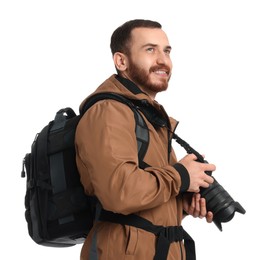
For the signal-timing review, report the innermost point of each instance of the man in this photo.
(107, 156)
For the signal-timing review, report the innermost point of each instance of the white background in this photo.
(54, 53)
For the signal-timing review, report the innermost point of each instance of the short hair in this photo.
(121, 37)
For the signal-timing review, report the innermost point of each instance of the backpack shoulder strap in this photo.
(141, 129)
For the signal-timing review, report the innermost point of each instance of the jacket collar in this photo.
(131, 86)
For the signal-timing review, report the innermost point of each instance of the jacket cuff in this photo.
(184, 175)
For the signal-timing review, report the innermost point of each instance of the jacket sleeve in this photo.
(107, 159)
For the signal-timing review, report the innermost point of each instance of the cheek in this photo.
(142, 62)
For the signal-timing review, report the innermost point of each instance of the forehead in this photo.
(154, 36)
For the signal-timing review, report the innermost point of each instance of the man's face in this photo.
(149, 64)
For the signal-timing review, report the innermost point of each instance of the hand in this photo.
(196, 170)
(195, 206)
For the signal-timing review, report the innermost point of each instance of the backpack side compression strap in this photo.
(57, 170)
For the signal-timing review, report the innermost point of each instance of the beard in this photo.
(142, 78)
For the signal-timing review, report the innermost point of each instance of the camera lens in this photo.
(220, 203)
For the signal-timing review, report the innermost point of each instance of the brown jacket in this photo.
(107, 159)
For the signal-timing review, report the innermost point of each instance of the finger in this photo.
(210, 167)
(203, 210)
(193, 205)
(197, 203)
(209, 179)
(185, 206)
(209, 217)
(205, 184)
(192, 156)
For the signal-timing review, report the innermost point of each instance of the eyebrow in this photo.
(168, 47)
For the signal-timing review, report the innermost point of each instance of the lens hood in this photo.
(220, 203)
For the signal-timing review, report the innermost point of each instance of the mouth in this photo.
(161, 72)
(164, 72)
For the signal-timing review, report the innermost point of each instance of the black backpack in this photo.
(58, 213)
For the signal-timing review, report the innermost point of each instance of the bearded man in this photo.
(144, 203)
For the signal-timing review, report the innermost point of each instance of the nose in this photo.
(163, 58)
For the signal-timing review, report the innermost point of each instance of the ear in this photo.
(120, 61)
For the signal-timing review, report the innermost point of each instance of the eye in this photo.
(167, 51)
(150, 49)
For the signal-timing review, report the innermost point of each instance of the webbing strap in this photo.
(57, 171)
(166, 235)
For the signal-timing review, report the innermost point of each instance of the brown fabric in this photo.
(107, 159)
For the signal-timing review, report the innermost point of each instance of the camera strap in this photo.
(157, 119)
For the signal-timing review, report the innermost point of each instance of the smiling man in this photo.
(146, 60)
(141, 201)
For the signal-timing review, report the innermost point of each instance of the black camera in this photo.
(218, 200)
